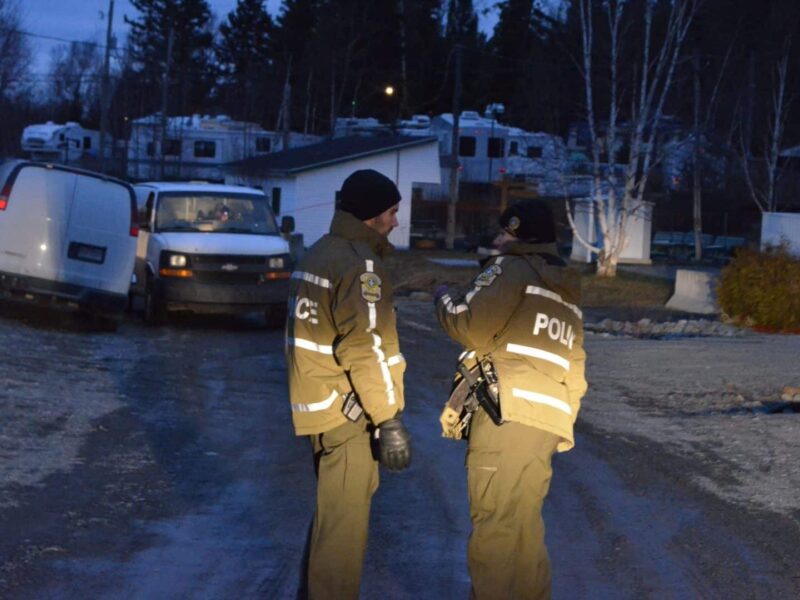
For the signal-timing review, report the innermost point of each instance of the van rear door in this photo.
(100, 247)
(34, 223)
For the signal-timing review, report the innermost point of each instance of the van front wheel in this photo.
(155, 312)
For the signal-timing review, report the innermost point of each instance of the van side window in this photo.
(276, 200)
(87, 143)
(466, 145)
(205, 149)
(513, 148)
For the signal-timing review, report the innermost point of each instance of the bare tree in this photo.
(75, 71)
(763, 186)
(15, 55)
(650, 81)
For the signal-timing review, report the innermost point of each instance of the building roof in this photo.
(326, 153)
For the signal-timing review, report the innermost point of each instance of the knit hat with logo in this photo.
(367, 193)
(530, 221)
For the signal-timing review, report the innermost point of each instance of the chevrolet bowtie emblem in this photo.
(229, 267)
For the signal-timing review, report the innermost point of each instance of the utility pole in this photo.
(164, 98)
(104, 100)
(451, 205)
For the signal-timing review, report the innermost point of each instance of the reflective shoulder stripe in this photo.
(316, 406)
(309, 345)
(542, 399)
(538, 291)
(452, 307)
(471, 294)
(383, 364)
(395, 360)
(539, 353)
(311, 278)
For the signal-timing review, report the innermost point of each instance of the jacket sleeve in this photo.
(473, 319)
(576, 378)
(366, 345)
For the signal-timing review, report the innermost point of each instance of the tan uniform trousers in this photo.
(508, 476)
(347, 477)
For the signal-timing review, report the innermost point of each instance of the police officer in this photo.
(521, 322)
(346, 376)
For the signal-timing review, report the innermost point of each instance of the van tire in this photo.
(155, 312)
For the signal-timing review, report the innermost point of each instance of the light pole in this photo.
(387, 90)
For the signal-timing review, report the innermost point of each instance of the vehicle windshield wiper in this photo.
(178, 228)
(237, 230)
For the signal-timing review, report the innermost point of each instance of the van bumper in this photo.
(180, 294)
(44, 291)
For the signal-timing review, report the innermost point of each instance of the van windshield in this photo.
(214, 212)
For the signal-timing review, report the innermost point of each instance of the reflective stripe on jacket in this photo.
(521, 312)
(341, 334)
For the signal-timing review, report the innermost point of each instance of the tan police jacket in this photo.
(341, 334)
(522, 314)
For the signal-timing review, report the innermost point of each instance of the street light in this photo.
(387, 91)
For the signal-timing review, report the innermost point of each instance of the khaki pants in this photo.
(508, 476)
(347, 477)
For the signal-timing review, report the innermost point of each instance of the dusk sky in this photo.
(85, 20)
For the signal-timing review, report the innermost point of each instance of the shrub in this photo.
(762, 289)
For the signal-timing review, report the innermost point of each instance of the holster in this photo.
(472, 388)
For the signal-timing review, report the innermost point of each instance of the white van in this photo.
(209, 248)
(66, 235)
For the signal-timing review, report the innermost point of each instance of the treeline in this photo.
(321, 59)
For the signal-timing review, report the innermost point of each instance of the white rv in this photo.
(209, 248)
(197, 147)
(66, 235)
(62, 143)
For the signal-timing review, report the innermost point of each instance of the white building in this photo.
(197, 147)
(65, 143)
(304, 182)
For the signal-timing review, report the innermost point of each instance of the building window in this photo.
(496, 148)
(205, 149)
(466, 145)
(534, 152)
(172, 147)
(513, 149)
(276, 200)
(87, 143)
(263, 144)
(151, 149)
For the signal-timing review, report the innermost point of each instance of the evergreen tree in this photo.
(248, 88)
(191, 67)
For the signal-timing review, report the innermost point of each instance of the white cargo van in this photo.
(66, 235)
(209, 248)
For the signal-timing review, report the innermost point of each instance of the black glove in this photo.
(394, 443)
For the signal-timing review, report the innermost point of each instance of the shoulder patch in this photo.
(370, 287)
(488, 275)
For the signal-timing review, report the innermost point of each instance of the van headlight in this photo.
(276, 262)
(177, 260)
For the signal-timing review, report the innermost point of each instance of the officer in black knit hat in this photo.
(346, 377)
(520, 326)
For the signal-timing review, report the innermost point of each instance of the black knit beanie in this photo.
(530, 221)
(367, 193)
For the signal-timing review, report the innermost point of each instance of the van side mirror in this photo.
(287, 224)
